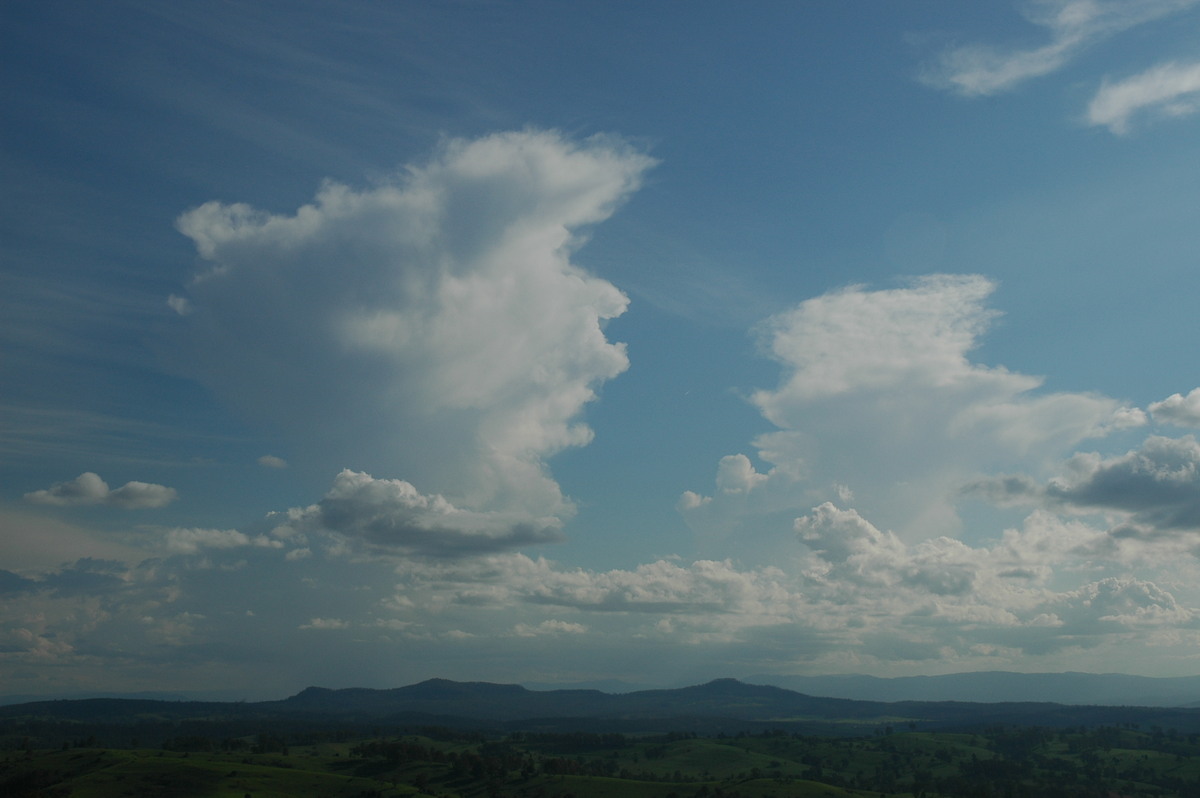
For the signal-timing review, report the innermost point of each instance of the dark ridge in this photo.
(724, 704)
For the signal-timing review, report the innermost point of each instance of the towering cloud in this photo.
(879, 399)
(431, 328)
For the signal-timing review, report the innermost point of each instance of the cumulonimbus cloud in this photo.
(431, 328)
(89, 488)
(878, 397)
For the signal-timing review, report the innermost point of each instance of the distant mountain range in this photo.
(1108, 689)
(719, 705)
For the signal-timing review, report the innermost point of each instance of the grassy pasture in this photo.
(908, 764)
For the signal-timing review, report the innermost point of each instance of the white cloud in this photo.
(1183, 411)
(1072, 25)
(879, 399)
(849, 590)
(1152, 490)
(179, 304)
(1157, 485)
(1122, 603)
(193, 540)
(392, 516)
(271, 461)
(549, 627)
(89, 488)
(326, 623)
(857, 591)
(1171, 90)
(431, 328)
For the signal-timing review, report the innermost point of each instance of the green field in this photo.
(1126, 762)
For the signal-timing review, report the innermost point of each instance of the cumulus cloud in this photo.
(432, 327)
(878, 397)
(1168, 90)
(392, 515)
(549, 627)
(326, 623)
(1122, 603)
(858, 591)
(703, 587)
(1158, 485)
(1072, 26)
(851, 590)
(1177, 409)
(89, 488)
(1148, 497)
(271, 461)
(851, 554)
(193, 540)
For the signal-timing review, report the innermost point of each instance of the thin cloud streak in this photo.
(1167, 91)
(980, 70)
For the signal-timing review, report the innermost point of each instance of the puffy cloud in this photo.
(704, 587)
(837, 535)
(1169, 89)
(851, 554)
(326, 623)
(1154, 489)
(878, 398)
(1119, 602)
(271, 461)
(549, 627)
(852, 591)
(716, 600)
(736, 474)
(1183, 411)
(1072, 25)
(431, 327)
(859, 592)
(89, 488)
(391, 515)
(1158, 484)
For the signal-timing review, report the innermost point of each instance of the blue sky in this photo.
(572, 342)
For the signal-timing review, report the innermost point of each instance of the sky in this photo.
(609, 343)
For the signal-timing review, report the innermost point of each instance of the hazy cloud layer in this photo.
(1071, 27)
(848, 593)
(89, 488)
(430, 328)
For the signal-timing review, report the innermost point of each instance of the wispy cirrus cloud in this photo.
(1072, 26)
(1167, 90)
